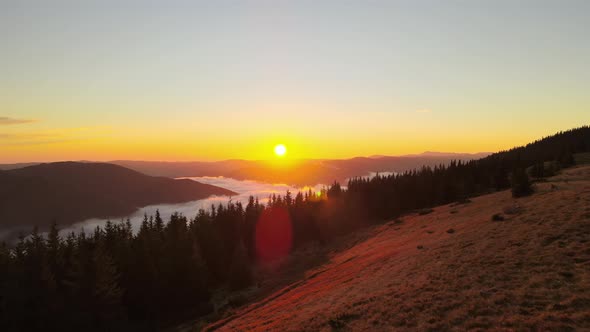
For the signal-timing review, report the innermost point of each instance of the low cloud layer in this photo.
(244, 188)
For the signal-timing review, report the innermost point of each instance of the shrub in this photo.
(497, 217)
(336, 323)
(513, 209)
(425, 211)
(551, 170)
(538, 170)
(462, 202)
(340, 321)
(566, 159)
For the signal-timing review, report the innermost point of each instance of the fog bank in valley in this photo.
(245, 188)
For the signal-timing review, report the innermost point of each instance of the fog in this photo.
(244, 188)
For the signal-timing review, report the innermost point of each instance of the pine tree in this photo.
(521, 186)
(159, 223)
(106, 292)
(566, 159)
(538, 170)
(240, 275)
(335, 190)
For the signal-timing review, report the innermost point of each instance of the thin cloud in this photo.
(63, 135)
(424, 110)
(22, 139)
(29, 136)
(244, 188)
(4, 120)
(40, 142)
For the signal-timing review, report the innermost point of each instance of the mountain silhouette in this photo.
(68, 192)
(298, 172)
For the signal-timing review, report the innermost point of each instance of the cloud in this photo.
(4, 120)
(39, 142)
(424, 110)
(245, 189)
(21, 136)
(22, 139)
(63, 135)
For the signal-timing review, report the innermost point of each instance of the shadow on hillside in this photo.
(277, 279)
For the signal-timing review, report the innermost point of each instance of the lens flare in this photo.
(274, 234)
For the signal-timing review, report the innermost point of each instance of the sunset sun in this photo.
(280, 150)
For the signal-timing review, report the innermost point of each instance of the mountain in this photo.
(69, 192)
(452, 269)
(6, 167)
(456, 155)
(297, 172)
(185, 168)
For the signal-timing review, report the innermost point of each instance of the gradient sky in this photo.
(189, 80)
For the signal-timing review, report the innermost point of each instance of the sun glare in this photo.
(280, 150)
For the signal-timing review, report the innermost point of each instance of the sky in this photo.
(213, 80)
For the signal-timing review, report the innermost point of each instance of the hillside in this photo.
(453, 268)
(69, 192)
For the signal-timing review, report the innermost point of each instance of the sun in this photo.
(280, 150)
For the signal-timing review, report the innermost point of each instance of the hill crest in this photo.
(68, 192)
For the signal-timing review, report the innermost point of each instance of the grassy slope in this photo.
(531, 270)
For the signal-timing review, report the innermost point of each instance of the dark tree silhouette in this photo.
(521, 185)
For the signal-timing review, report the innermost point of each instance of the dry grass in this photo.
(529, 272)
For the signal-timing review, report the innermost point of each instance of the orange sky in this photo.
(37, 141)
(222, 80)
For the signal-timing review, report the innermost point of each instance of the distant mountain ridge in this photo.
(298, 173)
(69, 192)
(461, 155)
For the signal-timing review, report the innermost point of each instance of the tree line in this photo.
(113, 279)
